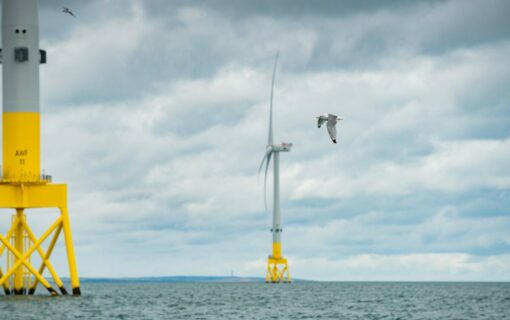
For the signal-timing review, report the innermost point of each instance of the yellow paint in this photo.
(75, 283)
(23, 257)
(33, 196)
(277, 266)
(277, 270)
(44, 256)
(37, 196)
(22, 187)
(277, 250)
(21, 146)
(47, 256)
(18, 244)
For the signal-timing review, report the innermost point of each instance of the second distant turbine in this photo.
(277, 268)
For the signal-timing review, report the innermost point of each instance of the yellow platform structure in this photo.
(19, 241)
(277, 267)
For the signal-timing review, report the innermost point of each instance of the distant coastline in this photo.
(173, 279)
(227, 279)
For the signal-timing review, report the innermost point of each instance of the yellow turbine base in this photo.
(20, 242)
(277, 271)
(21, 146)
(277, 250)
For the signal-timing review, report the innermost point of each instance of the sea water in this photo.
(308, 300)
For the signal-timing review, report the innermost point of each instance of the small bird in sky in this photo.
(68, 11)
(331, 125)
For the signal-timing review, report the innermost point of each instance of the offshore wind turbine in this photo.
(22, 186)
(277, 267)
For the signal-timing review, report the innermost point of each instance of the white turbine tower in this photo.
(277, 268)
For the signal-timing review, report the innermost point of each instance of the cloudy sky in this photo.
(155, 114)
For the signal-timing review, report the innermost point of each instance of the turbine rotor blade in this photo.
(264, 159)
(270, 136)
(265, 178)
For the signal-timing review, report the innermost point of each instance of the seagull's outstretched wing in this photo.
(332, 119)
(67, 10)
(320, 121)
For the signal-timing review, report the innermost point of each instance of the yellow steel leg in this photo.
(75, 282)
(21, 259)
(287, 272)
(277, 270)
(47, 257)
(7, 291)
(9, 233)
(45, 260)
(18, 244)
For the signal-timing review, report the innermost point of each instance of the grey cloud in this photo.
(155, 113)
(288, 9)
(175, 40)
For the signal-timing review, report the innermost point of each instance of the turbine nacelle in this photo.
(284, 147)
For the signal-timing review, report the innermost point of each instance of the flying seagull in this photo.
(68, 11)
(331, 125)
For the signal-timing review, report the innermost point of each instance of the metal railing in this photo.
(30, 178)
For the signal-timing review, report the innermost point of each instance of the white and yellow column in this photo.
(21, 184)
